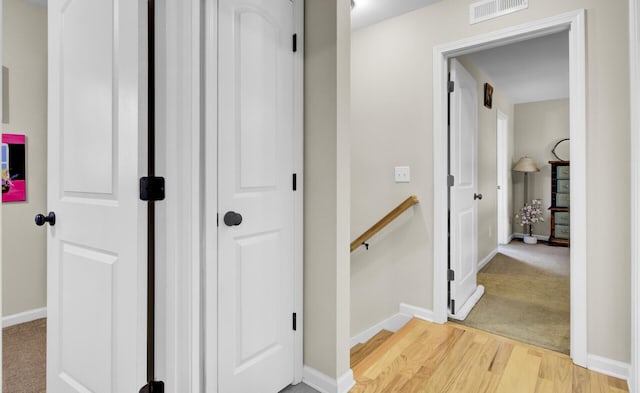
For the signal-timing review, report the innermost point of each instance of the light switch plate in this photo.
(402, 174)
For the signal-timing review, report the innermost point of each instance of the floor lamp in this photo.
(526, 165)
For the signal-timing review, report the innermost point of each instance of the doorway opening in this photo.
(572, 22)
(526, 285)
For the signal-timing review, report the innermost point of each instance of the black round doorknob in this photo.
(41, 219)
(477, 196)
(232, 219)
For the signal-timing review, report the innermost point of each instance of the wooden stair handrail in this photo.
(386, 220)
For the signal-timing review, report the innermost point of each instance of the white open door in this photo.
(96, 257)
(255, 196)
(463, 162)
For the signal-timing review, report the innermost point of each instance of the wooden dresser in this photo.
(559, 210)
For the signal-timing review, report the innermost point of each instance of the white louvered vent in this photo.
(489, 9)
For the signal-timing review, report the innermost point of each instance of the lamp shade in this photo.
(526, 164)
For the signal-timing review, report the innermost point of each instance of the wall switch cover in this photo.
(402, 174)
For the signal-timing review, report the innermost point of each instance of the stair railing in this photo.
(384, 221)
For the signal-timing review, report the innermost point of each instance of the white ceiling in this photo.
(368, 12)
(529, 71)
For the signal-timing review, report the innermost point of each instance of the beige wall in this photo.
(24, 244)
(326, 187)
(538, 126)
(392, 116)
(487, 158)
(377, 286)
(389, 129)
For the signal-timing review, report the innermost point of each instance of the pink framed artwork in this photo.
(14, 177)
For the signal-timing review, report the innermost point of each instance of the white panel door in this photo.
(463, 166)
(96, 259)
(255, 161)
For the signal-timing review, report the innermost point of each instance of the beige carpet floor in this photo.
(24, 357)
(526, 295)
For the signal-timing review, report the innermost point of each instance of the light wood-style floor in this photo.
(427, 357)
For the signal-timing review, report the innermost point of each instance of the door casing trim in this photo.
(179, 229)
(634, 59)
(502, 149)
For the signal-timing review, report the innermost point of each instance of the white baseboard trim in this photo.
(486, 260)
(23, 317)
(609, 367)
(346, 382)
(466, 308)
(392, 324)
(539, 237)
(418, 312)
(326, 384)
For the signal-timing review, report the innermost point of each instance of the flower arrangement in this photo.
(531, 213)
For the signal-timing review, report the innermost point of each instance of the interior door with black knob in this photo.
(96, 269)
(255, 195)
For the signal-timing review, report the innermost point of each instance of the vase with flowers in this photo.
(530, 214)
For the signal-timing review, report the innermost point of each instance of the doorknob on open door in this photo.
(232, 219)
(41, 219)
(477, 196)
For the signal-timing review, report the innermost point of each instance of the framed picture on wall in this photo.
(488, 95)
(14, 177)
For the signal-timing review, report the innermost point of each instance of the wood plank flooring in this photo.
(427, 357)
(361, 351)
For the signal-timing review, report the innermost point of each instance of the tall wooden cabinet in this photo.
(559, 210)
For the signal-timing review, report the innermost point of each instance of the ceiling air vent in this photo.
(489, 9)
